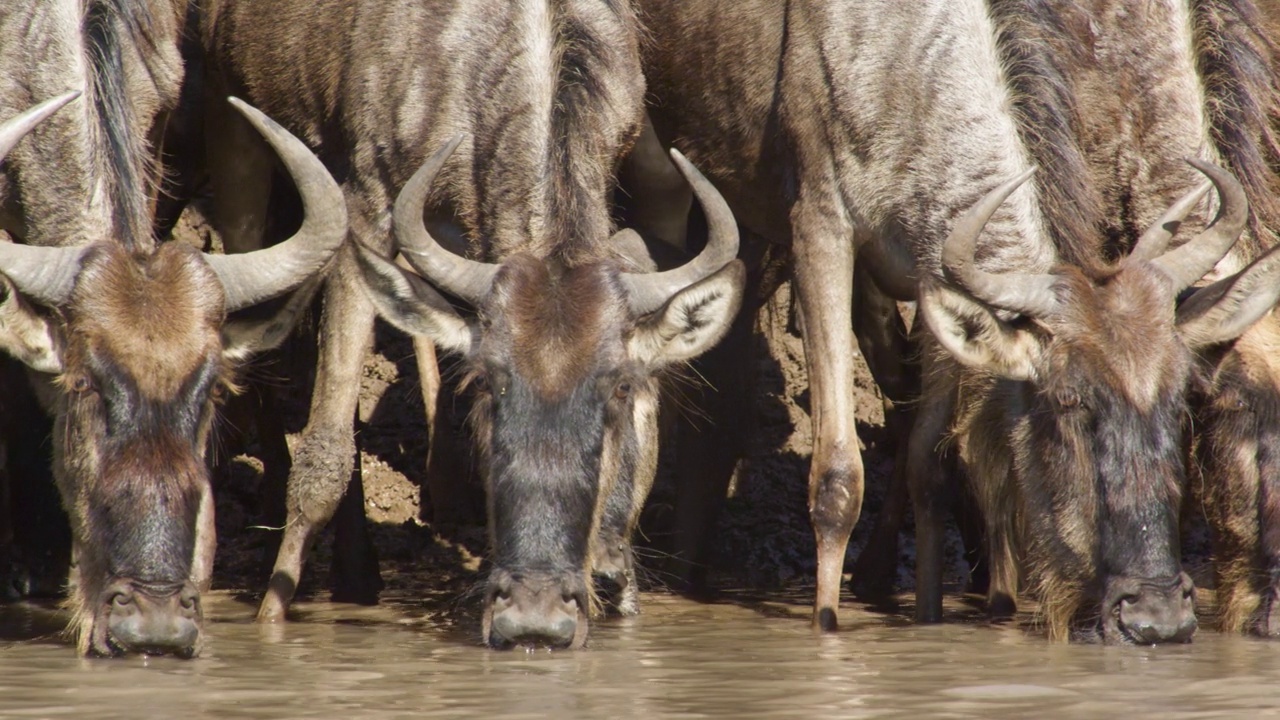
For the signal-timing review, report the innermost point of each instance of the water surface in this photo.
(680, 659)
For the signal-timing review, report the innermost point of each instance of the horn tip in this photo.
(1201, 164)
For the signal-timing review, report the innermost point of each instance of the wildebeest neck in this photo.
(575, 74)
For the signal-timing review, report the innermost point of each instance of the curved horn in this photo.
(45, 274)
(1155, 241)
(1022, 293)
(250, 278)
(650, 291)
(461, 277)
(1189, 262)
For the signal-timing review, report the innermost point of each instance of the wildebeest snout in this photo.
(154, 620)
(1151, 611)
(613, 561)
(536, 610)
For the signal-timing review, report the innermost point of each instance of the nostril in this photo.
(188, 602)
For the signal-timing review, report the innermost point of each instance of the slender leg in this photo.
(240, 170)
(206, 541)
(709, 448)
(655, 199)
(890, 355)
(353, 575)
(824, 257)
(710, 444)
(928, 483)
(324, 459)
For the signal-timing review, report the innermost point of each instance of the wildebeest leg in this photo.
(978, 556)
(424, 351)
(241, 172)
(710, 443)
(324, 458)
(824, 257)
(1002, 588)
(206, 542)
(892, 359)
(928, 483)
(350, 578)
(708, 446)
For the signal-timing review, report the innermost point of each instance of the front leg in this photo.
(324, 459)
(824, 258)
(929, 483)
(891, 357)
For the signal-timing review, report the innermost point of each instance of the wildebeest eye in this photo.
(1067, 399)
(1231, 402)
(622, 390)
(494, 381)
(218, 392)
(81, 384)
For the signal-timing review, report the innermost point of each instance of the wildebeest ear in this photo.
(26, 334)
(407, 301)
(242, 338)
(692, 321)
(1224, 310)
(972, 332)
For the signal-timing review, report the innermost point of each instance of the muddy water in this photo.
(679, 660)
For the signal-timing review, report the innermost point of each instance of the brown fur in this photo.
(1237, 388)
(170, 302)
(124, 55)
(558, 325)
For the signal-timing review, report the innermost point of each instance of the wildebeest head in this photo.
(141, 350)
(566, 359)
(1098, 415)
(1236, 461)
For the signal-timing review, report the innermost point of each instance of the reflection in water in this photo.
(678, 660)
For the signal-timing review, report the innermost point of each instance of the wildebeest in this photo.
(136, 339)
(132, 334)
(1236, 393)
(873, 126)
(547, 95)
(125, 55)
(1195, 78)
